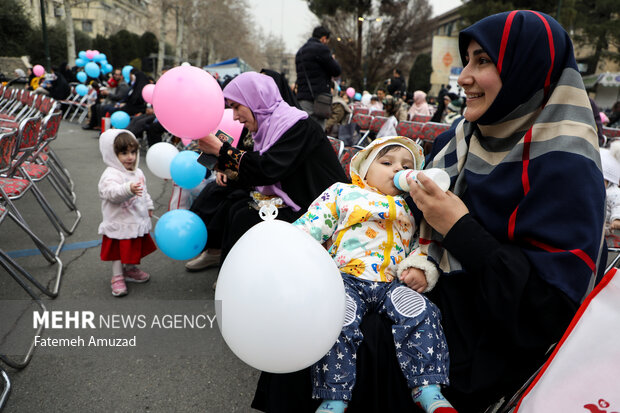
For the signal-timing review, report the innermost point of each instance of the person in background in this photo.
(396, 85)
(419, 106)
(315, 67)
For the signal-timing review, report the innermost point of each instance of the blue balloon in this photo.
(81, 76)
(82, 55)
(120, 119)
(92, 69)
(180, 234)
(185, 170)
(100, 57)
(80, 62)
(106, 68)
(126, 71)
(81, 90)
(357, 96)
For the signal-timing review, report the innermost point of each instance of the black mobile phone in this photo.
(209, 161)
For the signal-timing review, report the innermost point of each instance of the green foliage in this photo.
(57, 40)
(420, 74)
(148, 44)
(14, 28)
(592, 23)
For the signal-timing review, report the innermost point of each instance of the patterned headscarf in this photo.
(529, 168)
(273, 115)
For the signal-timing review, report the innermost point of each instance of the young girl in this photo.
(126, 208)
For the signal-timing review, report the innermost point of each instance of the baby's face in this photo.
(128, 159)
(382, 170)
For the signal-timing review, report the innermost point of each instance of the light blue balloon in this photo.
(100, 57)
(357, 96)
(81, 76)
(80, 62)
(81, 90)
(82, 55)
(92, 69)
(106, 68)
(185, 170)
(180, 234)
(120, 119)
(126, 71)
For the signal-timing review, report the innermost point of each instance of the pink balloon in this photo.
(38, 70)
(147, 93)
(186, 141)
(90, 54)
(350, 92)
(230, 126)
(188, 102)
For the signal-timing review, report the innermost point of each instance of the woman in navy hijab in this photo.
(518, 236)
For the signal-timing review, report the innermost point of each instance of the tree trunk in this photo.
(200, 52)
(162, 40)
(70, 33)
(358, 56)
(179, 46)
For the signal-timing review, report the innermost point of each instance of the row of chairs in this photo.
(76, 105)
(367, 111)
(28, 124)
(416, 130)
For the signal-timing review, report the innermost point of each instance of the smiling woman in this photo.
(518, 236)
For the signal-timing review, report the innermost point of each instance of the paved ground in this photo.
(167, 374)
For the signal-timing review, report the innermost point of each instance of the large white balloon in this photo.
(159, 157)
(282, 300)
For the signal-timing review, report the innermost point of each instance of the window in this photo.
(87, 26)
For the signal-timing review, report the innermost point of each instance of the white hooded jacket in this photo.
(125, 215)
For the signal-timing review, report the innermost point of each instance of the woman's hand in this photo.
(210, 144)
(221, 179)
(441, 209)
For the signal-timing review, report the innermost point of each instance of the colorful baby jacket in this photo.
(371, 232)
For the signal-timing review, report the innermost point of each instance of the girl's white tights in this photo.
(117, 268)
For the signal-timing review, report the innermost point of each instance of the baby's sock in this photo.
(431, 400)
(332, 406)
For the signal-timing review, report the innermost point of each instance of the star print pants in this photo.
(418, 336)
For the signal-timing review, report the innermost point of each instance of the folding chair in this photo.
(357, 109)
(42, 155)
(377, 112)
(337, 144)
(376, 124)
(29, 142)
(430, 131)
(26, 359)
(13, 187)
(47, 156)
(6, 388)
(411, 130)
(81, 107)
(51, 257)
(345, 159)
(363, 121)
(611, 132)
(421, 118)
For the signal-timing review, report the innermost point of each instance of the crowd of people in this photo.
(453, 297)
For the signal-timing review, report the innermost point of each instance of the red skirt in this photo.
(128, 251)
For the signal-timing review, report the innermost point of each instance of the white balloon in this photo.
(186, 64)
(159, 157)
(281, 298)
